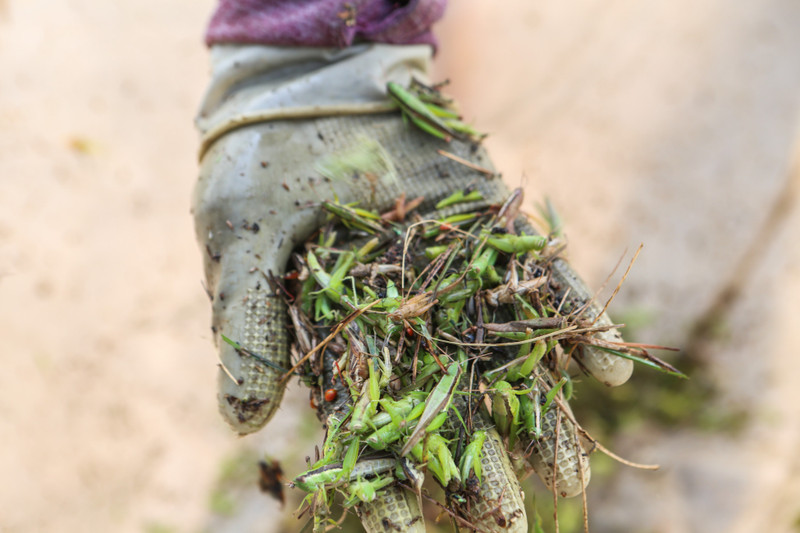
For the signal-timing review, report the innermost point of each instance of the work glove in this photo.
(272, 121)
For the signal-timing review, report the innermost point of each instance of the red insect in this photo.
(330, 395)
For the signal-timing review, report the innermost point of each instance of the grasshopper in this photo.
(505, 410)
(438, 401)
(471, 458)
(332, 475)
(365, 491)
(430, 118)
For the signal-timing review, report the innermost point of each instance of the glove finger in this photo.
(255, 318)
(565, 459)
(242, 244)
(245, 310)
(500, 504)
(607, 368)
(394, 509)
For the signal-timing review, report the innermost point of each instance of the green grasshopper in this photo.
(471, 458)
(384, 436)
(365, 491)
(332, 475)
(367, 404)
(505, 410)
(436, 455)
(530, 414)
(355, 217)
(517, 243)
(430, 118)
(460, 196)
(438, 401)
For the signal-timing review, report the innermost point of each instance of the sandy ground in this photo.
(673, 124)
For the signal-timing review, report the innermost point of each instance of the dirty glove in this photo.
(271, 119)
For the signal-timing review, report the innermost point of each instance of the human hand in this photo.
(272, 118)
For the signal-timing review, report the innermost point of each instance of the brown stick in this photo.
(339, 327)
(467, 163)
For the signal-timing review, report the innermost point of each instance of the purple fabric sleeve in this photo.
(334, 23)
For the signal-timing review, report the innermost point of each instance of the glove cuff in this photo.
(254, 83)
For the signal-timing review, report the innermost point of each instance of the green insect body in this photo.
(350, 457)
(332, 286)
(320, 502)
(366, 406)
(417, 111)
(360, 414)
(330, 476)
(365, 491)
(438, 401)
(440, 111)
(492, 276)
(357, 218)
(444, 134)
(530, 415)
(394, 410)
(486, 259)
(435, 466)
(437, 422)
(471, 458)
(384, 436)
(432, 463)
(525, 368)
(458, 197)
(448, 223)
(469, 289)
(513, 244)
(538, 351)
(316, 479)
(340, 270)
(432, 252)
(364, 252)
(568, 386)
(332, 446)
(438, 446)
(381, 438)
(551, 394)
(505, 410)
(415, 412)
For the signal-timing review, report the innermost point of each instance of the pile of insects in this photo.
(407, 335)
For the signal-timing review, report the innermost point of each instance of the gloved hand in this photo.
(271, 117)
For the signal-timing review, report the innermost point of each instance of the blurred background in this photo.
(674, 124)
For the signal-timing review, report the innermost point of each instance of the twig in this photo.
(619, 285)
(339, 327)
(468, 164)
(597, 444)
(580, 450)
(555, 469)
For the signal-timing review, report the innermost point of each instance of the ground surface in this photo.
(674, 124)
